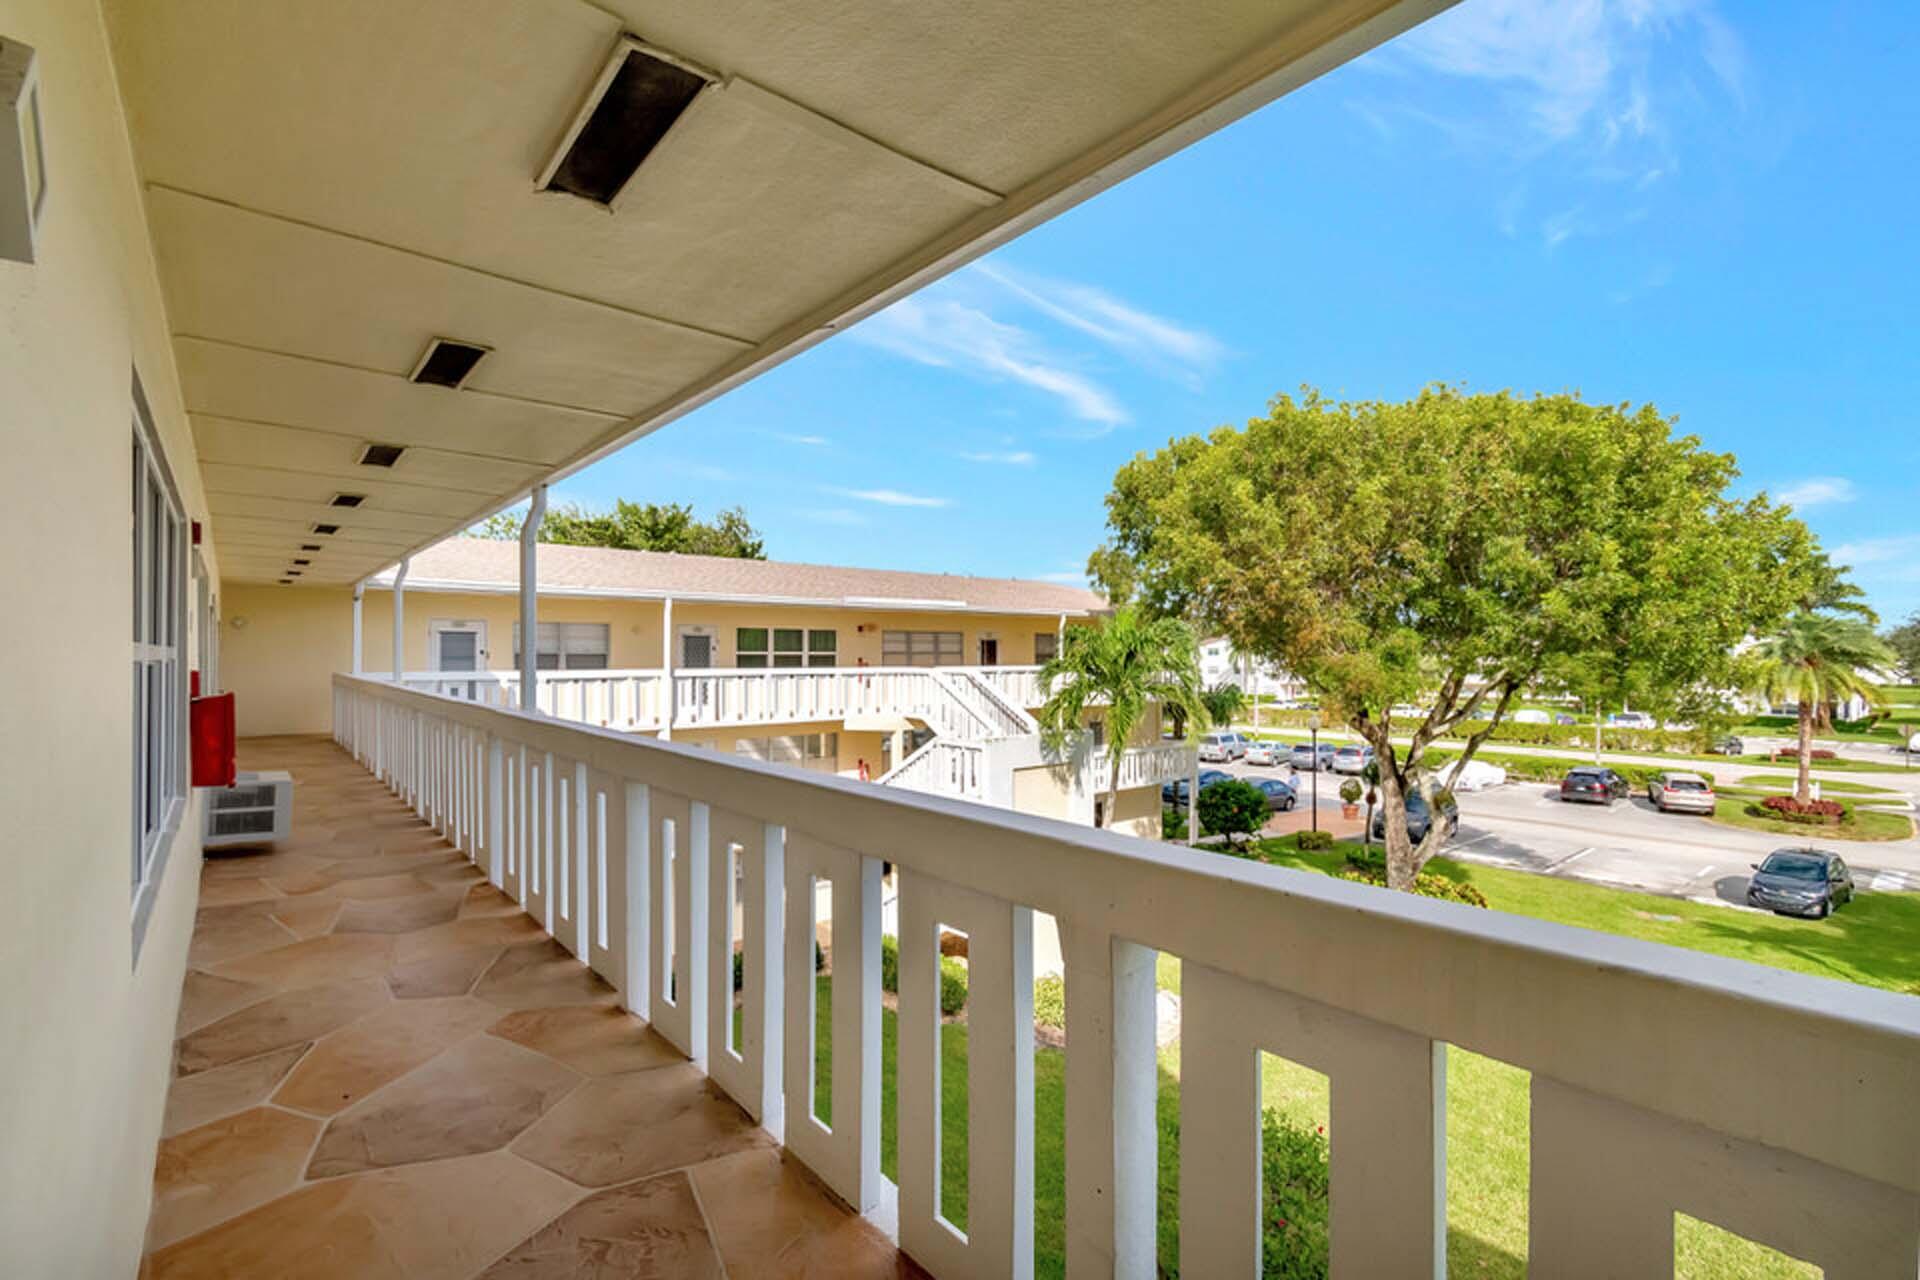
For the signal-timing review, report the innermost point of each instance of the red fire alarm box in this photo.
(210, 732)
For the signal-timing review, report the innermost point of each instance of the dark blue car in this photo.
(1176, 792)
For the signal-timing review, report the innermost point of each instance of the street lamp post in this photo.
(1313, 723)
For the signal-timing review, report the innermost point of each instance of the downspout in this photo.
(399, 619)
(529, 606)
(666, 661)
(359, 650)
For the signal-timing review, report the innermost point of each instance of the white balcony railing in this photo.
(628, 700)
(1144, 766)
(943, 768)
(1777, 1105)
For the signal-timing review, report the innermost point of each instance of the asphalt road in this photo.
(1525, 826)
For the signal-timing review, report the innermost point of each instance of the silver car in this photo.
(1675, 791)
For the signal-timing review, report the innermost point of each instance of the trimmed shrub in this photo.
(1811, 812)
(1050, 1002)
(1426, 884)
(1173, 823)
(889, 963)
(953, 985)
(1234, 809)
(1313, 841)
(1351, 791)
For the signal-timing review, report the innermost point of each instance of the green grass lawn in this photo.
(1874, 940)
(1735, 810)
(1784, 783)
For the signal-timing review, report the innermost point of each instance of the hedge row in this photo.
(953, 975)
(1684, 741)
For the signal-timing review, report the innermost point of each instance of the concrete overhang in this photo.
(332, 186)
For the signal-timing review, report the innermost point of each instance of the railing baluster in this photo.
(636, 884)
(999, 1237)
(752, 1075)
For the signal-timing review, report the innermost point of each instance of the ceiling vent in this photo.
(286, 582)
(447, 362)
(303, 562)
(324, 529)
(381, 455)
(347, 499)
(309, 546)
(636, 99)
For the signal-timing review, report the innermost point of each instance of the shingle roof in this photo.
(487, 564)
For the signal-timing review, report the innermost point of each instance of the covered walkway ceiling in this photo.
(333, 185)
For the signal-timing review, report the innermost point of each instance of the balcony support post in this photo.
(529, 603)
(400, 619)
(666, 661)
(359, 649)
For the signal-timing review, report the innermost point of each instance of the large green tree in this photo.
(1119, 668)
(1458, 547)
(640, 526)
(1816, 660)
(1904, 640)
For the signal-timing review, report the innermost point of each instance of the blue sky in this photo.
(1709, 208)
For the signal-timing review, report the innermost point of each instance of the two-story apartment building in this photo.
(922, 681)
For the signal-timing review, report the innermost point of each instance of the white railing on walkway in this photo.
(628, 700)
(943, 767)
(1777, 1105)
(1144, 766)
(1018, 685)
(715, 697)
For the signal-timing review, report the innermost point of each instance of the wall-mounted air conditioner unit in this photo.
(257, 809)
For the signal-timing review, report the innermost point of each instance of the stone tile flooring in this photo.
(385, 1068)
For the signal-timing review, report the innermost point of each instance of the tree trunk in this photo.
(1803, 788)
(1401, 867)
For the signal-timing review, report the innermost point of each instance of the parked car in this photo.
(1531, 715)
(1352, 759)
(1222, 746)
(1913, 743)
(1561, 717)
(1404, 711)
(1305, 758)
(1419, 818)
(1632, 720)
(1268, 753)
(1175, 792)
(1279, 792)
(1728, 745)
(1593, 784)
(1674, 791)
(1801, 882)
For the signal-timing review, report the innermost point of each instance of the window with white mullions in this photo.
(921, 649)
(568, 646)
(159, 678)
(785, 647)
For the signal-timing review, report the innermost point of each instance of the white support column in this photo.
(359, 649)
(400, 620)
(666, 660)
(529, 606)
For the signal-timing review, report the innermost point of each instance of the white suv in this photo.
(1222, 746)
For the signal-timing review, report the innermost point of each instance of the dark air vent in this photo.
(324, 529)
(382, 455)
(286, 582)
(639, 95)
(447, 363)
(293, 573)
(309, 546)
(348, 499)
(303, 562)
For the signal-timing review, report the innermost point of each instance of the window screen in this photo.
(568, 646)
(1046, 646)
(819, 752)
(159, 693)
(785, 647)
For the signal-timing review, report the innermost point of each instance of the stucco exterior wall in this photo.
(85, 1025)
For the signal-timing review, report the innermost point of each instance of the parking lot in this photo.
(1525, 826)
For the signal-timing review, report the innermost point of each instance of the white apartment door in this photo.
(457, 646)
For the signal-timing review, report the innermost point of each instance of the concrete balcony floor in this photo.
(385, 1068)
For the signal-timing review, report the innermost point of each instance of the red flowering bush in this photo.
(1809, 811)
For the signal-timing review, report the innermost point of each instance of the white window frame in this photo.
(570, 641)
(159, 778)
(818, 752)
(817, 647)
(915, 644)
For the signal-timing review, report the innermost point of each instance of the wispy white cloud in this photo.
(1011, 458)
(1817, 491)
(832, 515)
(893, 498)
(1141, 336)
(1899, 551)
(813, 442)
(946, 333)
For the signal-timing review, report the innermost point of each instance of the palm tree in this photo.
(1813, 660)
(1122, 666)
